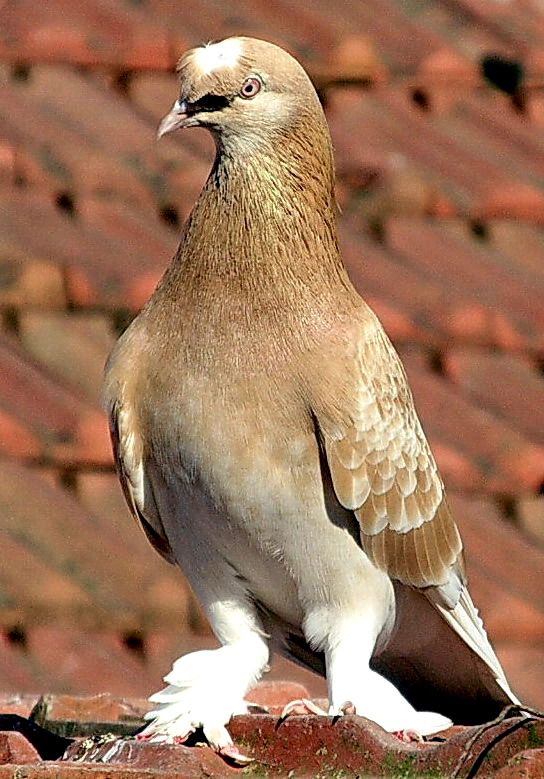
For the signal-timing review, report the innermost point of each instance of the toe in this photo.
(302, 706)
(346, 709)
(408, 736)
(217, 736)
(232, 753)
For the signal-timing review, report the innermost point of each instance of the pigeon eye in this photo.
(251, 87)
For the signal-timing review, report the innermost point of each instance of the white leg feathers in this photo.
(347, 652)
(205, 689)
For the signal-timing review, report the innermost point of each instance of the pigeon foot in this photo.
(408, 726)
(205, 689)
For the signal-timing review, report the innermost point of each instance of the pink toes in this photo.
(143, 737)
(407, 736)
(231, 752)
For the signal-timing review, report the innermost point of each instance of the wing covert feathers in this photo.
(382, 469)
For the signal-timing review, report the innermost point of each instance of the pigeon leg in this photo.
(372, 696)
(206, 688)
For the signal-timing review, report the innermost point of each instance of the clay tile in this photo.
(446, 66)
(355, 59)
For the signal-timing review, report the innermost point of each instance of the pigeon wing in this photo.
(137, 488)
(382, 469)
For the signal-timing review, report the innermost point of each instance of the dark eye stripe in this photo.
(210, 102)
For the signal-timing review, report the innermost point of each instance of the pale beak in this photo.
(174, 119)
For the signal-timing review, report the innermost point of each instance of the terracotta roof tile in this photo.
(507, 385)
(54, 423)
(72, 661)
(166, 598)
(17, 439)
(307, 746)
(389, 287)
(7, 163)
(33, 585)
(141, 231)
(523, 244)
(505, 461)
(469, 164)
(82, 252)
(530, 511)
(401, 42)
(500, 133)
(73, 347)
(302, 28)
(105, 151)
(18, 675)
(27, 280)
(429, 301)
(527, 664)
(18, 703)
(52, 155)
(508, 312)
(496, 553)
(93, 34)
(51, 421)
(517, 22)
(108, 587)
(474, 34)
(447, 68)
(14, 748)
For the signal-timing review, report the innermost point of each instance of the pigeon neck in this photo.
(259, 257)
(266, 216)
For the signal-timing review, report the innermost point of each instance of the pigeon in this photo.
(267, 442)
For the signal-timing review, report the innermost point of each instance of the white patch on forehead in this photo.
(214, 56)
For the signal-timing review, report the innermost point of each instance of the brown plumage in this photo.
(267, 441)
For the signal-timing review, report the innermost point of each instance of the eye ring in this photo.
(251, 88)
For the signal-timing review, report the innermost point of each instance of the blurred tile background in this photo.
(436, 109)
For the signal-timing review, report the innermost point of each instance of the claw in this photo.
(345, 709)
(256, 708)
(407, 736)
(301, 706)
(232, 753)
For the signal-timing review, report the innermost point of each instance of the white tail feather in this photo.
(466, 622)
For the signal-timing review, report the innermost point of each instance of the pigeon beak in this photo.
(174, 119)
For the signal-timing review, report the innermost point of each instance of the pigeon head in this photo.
(241, 88)
(272, 178)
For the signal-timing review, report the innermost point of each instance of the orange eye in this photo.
(251, 87)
